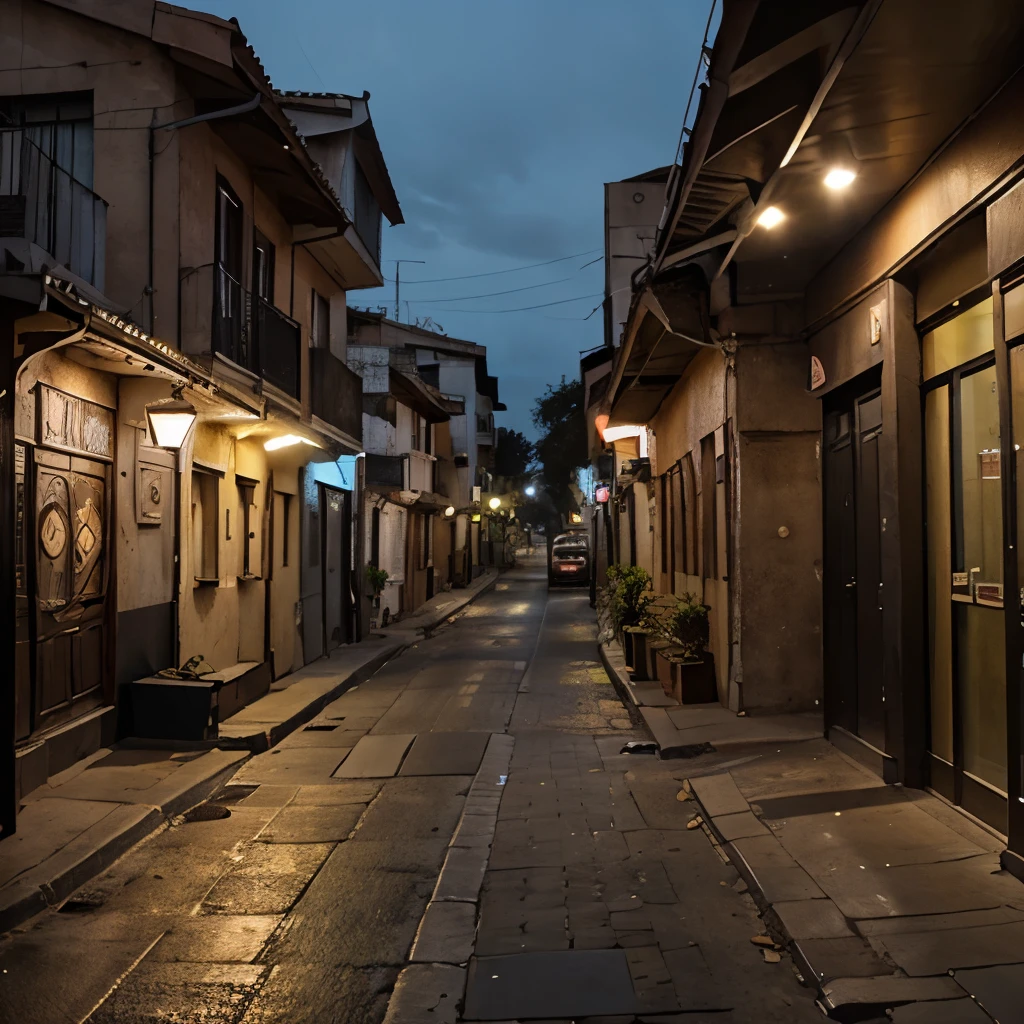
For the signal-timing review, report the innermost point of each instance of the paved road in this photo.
(302, 900)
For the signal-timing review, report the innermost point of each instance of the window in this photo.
(708, 509)
(414, 438)
(678, 529)
(321, 330)
(428, 437)
(250, 560)
(205, 518)
(426, 536)
(663, 515)
(375, 538)
(286, 528)
(59, 126)
(262, 266)
(689, 523)
(228, 231)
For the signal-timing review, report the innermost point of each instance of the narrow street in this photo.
(297, 893)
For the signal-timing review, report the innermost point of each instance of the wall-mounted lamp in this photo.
(287, 441)
(530, 491)
(771, 217)
(170, 421)
(494, 504)
(450, 511)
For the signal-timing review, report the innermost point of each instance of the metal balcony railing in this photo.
(336, 392)
(278, 346)
(41, 202)
(255, 334)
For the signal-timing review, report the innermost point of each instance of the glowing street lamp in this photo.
(494, 504)
(530, 491)
(170, 421)
(450, 511)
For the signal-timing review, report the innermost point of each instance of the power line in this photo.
(520, 309)
(494, 273)
(487, 295)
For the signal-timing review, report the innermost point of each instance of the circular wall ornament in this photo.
(53, 534)
(638, 197)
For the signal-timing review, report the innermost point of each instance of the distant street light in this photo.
(530, 491)
(495, 503)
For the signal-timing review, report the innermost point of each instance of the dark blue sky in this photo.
(499, 122)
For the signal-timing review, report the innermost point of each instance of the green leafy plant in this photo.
(687, 626)
(376, 578)
(629, 594)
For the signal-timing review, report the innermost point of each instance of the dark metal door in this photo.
(870, 687)
(853, 567)
(333, 504)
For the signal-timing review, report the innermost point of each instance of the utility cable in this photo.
(520, 309)
(494, 273)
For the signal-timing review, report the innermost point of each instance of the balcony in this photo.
(43, 203)
(252, 332)
(337, 392)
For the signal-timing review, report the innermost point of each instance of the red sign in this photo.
(601, 494)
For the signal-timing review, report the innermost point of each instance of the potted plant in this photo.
(685, 666)
(376, 580)
(630, 594)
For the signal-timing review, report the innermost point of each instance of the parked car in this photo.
(570, 559)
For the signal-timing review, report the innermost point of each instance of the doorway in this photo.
(966, 622)
(338, 603)
(67, 583)
(853, 564)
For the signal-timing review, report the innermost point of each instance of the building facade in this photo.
(824, 348)
(166, 230)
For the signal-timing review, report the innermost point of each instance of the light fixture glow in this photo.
(287, 441)
(170, 422)
(600, 422)
(771, 217)
(450, 511)
(530, 491)
(495, 503)
(576, 517)
(839, 177)
(476, 517)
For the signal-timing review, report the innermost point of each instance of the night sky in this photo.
(499, 123)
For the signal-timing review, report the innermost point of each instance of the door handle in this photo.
(851, 585)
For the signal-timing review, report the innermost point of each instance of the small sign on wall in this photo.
(876, 324)
(817, 373)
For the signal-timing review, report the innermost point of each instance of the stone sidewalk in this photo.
(888, 898)
(442, 606)
(80, 821)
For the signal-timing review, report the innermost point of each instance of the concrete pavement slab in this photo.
(811, 919)
(446, 934)
(884, 926)
(313, 823)
(744, 825)
(291, 767)
(427, 992)
(864, 996)
(445, 753)
(426, 807)
(268, 879)
(999, 990)
(358, 791)
(216, 938)
(560, 984)
(719, 795)
(951, 1011)
(936, 952)
(375, 757)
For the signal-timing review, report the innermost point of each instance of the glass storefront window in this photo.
(979, 510)
(963, 494)
(940, 569)
(957, 341)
